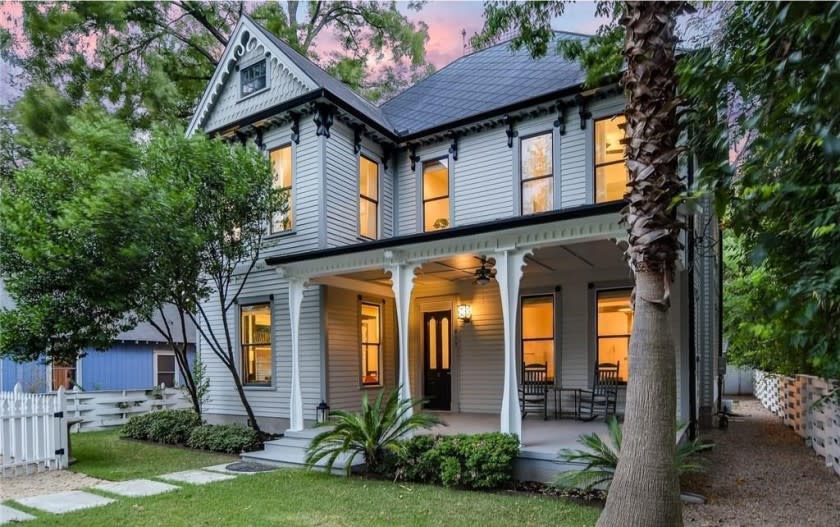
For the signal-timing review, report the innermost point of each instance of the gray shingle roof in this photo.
(328, 82)
(483, 81)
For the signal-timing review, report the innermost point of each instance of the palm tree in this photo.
(373, 432)
(645, 489)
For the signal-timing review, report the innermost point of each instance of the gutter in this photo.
(454, 232)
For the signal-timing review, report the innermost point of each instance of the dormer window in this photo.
(252, 78)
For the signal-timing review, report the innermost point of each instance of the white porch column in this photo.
(509, 268)
(402, 278)
(296, 286)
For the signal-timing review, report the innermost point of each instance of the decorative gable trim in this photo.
(246, 38)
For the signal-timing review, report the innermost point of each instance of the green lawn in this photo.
(298, 498)
(104, 455)
(288, 497)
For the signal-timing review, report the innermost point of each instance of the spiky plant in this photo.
(370, 433)
(601, 458)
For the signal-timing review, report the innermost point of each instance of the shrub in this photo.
(165, 426)
(478, 461)
(371, 433)
(231, 439)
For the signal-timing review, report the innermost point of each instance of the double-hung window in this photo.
(255, 340)
(536, 173)
(537, 332)
(436, 195)
(281, 166)
(615, 322)
(371, 343)
(610, 168)
(252, 78)
(165, 369)
(368, 198)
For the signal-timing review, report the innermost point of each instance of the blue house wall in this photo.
(125, 366)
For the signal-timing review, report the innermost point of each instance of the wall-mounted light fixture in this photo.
(465, 313)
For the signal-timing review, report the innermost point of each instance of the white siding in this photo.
(481, 178)
(344, 356)
(274, 401)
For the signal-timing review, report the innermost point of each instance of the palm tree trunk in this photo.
(645, 489)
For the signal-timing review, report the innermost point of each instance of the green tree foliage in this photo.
(150, 61)
(768, 87)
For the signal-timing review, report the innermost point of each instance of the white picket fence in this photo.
(33, 432)
(800, 401)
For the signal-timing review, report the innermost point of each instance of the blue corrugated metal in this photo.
(123, 367)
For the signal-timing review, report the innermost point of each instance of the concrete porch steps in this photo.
(290, 451)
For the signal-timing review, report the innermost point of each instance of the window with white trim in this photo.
(255, 341)
(165, 369)
(537, 332)
(371, 343)
(252, 78)
(436, 194)
(615, 323)
(368, 198)
(281, 166)
(537, 173)
(610, 168)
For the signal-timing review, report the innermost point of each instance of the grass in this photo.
(298, 498)
(104, 455)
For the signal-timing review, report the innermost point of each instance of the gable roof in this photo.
(326, 81)
(483, 81)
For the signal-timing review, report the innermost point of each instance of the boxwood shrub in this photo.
(164, 426)
(232, 439)
(477, 461)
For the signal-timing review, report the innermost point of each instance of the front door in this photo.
(437, 383)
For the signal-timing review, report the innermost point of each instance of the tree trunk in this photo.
(252, 419)
(645, 490)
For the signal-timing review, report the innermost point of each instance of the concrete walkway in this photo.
(62, 502)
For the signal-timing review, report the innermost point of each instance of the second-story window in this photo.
(536, 172)
(610, 168)
(436, 195)
(368, 198)
(281, 165)
(252, 79)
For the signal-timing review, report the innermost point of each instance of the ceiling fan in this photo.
(485, 273)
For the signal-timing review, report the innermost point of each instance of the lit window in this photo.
(436, 195)
(63, 374)
(165, 369)
(615, 322)
(538, 332)
(371, 341)
(536, 171)
(281, 165)
(252, 79)
(255, 329)
(610, 168)
(368, 198)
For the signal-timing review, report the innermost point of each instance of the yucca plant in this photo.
(601, 458)
(371, 433)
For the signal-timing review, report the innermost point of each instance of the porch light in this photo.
(465, 313)
(322, 412)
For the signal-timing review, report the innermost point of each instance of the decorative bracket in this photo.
(323, 120)
(243, 137)
(511, 133)
(560, 123)
(258, 140)
(584, 113)
(413, 157)
(295, 127)
(386, 156)
(357, 138)
(453, 147)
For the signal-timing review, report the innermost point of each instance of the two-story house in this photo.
(440, 242)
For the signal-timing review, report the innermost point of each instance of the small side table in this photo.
(558, 400)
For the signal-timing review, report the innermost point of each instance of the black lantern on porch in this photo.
(322, 412)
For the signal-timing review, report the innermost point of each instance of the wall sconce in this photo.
(465, 313)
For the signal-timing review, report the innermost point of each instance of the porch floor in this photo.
(543, 438)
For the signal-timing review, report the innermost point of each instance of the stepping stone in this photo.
(10, 515)
(62, 502)
(196, 477)
(134, 488)
(223, 468)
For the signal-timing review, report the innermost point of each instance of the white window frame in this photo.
(158, 353)
(378, 200)
(551, 175)
(379, 305)
(247, 65)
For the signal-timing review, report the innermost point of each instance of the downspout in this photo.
(720, 320)
(692, 336)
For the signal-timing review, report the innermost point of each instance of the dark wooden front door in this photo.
(437, 383)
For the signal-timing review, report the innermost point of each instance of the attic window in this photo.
(252, 79)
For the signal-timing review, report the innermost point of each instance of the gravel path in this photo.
(762, 474)
(44, 483)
